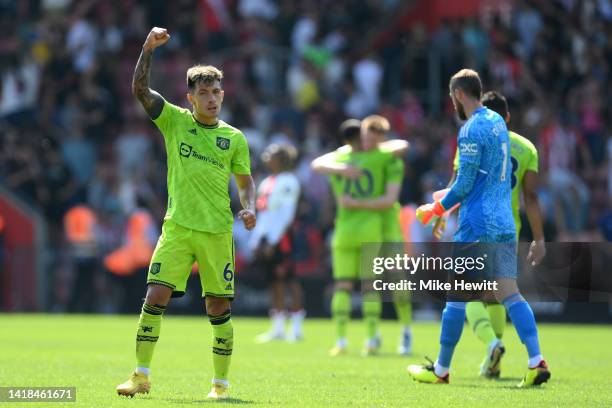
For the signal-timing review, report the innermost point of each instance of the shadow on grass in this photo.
(507, 379)
(504, 385)
(530, 389)
(204, 401)
(390, 354)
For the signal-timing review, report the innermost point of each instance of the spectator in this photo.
(80, 225)
(293, 71)
(133, 148)
(79, 154)
(81, 43)
(367, 75)
(560, 142)
(528, 23)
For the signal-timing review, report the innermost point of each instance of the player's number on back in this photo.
(228, 274)
(504, 147)
(361, 187)
(513, 180)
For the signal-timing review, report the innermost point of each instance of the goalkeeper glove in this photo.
(426, 212)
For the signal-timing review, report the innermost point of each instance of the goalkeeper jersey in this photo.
(524, 157)
(200, 161)
(483, 180)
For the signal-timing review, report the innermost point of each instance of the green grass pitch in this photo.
(96, 353)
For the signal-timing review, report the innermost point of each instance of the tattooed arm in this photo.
(152, 102)
(246, 190)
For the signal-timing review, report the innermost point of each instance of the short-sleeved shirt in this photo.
(524, 157)
(356, 226)
(392, 229)
(200, 161)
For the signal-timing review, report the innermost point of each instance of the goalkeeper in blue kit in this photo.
(483, 188)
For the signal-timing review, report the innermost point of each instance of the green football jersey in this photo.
(356, 226)
(200, 161)
(524, 157)
(392, 230)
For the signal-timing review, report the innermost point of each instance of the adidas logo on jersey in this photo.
(193, 131)
(228, 287)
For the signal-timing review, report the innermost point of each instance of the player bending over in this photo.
(271, 240)
(488, 320)
(483, 187)
(203, 152)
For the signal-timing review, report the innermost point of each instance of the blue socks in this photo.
(453, 318)
(524, 321)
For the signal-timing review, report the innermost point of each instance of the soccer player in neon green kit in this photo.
(488, 321)
(374, 130)
(364, 175)
(202, 153)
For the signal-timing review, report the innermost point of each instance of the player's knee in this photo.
(295, 287)
(489, 297)
(505, 289)
(158, 295)
(367, 287)
(343, 285)
(216, 306)
(371, 296)
(401, 296)
(281, 273)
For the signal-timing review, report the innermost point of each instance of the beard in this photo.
(460, 111)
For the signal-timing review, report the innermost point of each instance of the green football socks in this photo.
(479, 321)
(371, 309)
(223, 343)
(403, 307)
(149, 327)
(341, 311)
(497, 314)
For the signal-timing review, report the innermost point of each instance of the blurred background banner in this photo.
(82, 168)
(23, 281)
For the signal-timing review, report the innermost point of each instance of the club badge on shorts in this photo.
(155, 268)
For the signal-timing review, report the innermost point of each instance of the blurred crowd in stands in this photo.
(72, 134)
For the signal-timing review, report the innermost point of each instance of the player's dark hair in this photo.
(496, 102)
(350, 130)
(206, 74)
(468, 81)
(286, 154)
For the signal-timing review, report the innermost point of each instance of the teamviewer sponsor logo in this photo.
(185, 150)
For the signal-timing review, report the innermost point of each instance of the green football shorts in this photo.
(179, 247)
(346, 263)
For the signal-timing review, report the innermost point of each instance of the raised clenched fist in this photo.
(157, 37)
